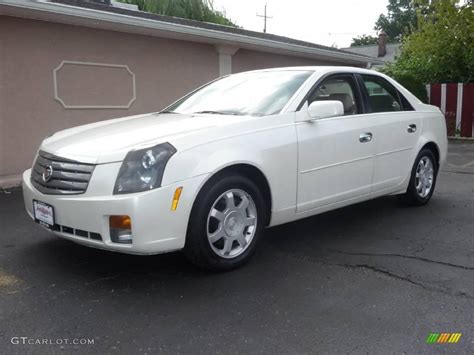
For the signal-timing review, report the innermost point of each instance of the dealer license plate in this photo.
(44, 214)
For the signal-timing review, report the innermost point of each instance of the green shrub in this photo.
(408, 80)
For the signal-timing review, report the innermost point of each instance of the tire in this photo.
(220, 234)
(416, 195)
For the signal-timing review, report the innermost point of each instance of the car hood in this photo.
(109, 141)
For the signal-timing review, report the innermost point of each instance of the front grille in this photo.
(53, 175)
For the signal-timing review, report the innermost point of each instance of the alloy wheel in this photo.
(424, 177)
(232, 223)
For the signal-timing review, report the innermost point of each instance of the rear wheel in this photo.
(422, 179)
(226, 223)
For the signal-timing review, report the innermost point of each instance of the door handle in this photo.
(365, 137)
(411, 128)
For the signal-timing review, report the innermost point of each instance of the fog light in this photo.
(121, 229)
(120, 222)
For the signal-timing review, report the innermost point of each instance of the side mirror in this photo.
(325, 109)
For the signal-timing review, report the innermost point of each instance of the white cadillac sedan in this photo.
(239, 154)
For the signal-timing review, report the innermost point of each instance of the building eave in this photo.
(67, 14)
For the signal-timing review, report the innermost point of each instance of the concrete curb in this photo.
(10, 181)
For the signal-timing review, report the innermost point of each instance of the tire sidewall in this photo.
(197, 228)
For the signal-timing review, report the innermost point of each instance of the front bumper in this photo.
(155, 228)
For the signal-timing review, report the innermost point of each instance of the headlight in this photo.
(143, 169)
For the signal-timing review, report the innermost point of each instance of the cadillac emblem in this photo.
(47, 173)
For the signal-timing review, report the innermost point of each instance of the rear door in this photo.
(397, 127)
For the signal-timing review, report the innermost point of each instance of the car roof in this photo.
(322, 69)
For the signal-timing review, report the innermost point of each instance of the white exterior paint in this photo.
(326, 152)
(311, 166)
(225, 59)
(459, 108)
(443, 98)
(58, 98)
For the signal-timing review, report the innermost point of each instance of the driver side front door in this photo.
(335, 155)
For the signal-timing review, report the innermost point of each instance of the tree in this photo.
(401, 19)
(442, 48)
(364, 40)
(199, 10)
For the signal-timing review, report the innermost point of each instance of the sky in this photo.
(327, 22)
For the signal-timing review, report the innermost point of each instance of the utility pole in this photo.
(265, 17)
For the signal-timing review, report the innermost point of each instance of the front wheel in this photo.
(226, 223)
(422, 179)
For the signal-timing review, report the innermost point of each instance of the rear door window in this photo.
(382, 96)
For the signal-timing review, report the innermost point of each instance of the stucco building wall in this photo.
(246, 59)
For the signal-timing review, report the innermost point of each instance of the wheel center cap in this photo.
(233, 224)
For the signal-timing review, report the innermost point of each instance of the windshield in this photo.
(256, 94)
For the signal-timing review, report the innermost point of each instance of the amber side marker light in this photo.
(121, 229)
(176, 196)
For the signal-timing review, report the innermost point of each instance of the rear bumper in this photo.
(155, 228)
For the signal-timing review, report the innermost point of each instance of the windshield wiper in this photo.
(218, 112)
(210, 112)
(168, 112)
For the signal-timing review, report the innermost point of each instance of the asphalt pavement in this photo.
(375, 277)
